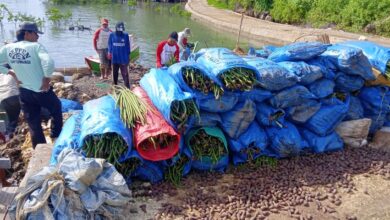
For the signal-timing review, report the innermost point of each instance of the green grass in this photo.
(221, 4)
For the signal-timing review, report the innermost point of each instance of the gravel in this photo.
(249, 192)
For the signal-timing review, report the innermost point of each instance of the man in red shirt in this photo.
(100, 43)
(167, 51)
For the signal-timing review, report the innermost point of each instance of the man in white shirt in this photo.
(9, 100)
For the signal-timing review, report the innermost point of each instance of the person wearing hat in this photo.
(183, 43)
(100, 43)
(167, 51)
(119, 53)
(32, 68)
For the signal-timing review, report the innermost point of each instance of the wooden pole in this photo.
(239, 32)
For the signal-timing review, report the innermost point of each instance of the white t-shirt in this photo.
(8, 86)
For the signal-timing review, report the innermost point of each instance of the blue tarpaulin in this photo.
(250, 145)
(325, 121)
(291, 97)
(318, 144)
(378, 56)
(236, 121)
(306, 73)
(349, 60)
(272, 76)
(348, 83)
(298, 51)
(322, 88)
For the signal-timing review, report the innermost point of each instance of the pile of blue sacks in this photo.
(304, 91)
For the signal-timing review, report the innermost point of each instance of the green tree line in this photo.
(351, 15)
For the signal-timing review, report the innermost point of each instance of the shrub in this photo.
(290, 11)
(326, 11)
(358, 13)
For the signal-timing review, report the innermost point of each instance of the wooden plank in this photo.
(5, 163)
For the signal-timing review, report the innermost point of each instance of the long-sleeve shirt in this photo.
(30, 62)
(165, 52)
(119, 48)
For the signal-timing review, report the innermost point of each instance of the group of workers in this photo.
(26, 69)
(113, 49)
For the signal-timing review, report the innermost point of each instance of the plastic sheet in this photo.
(306, 73)
(291, 97)
(298, 51)
(322, 88)
(318, 144)
(348, 83)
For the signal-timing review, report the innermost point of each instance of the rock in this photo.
(364, 38)
(370, 28)
(268, 18)
(381, 139)
(57, 77)
(77, 76)
(354, 133)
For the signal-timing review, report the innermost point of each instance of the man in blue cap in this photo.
(32, 68)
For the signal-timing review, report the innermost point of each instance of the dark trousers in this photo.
(124, 72)
(31, 103)
(11, 106)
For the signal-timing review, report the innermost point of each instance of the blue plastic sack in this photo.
(298, 51)
(176, 72)
(291, 97)
(184, 152)
(349, 60)
(268, 116)
(163, 91)
(264, 52)
(387, 122)
(69, 136)
(377, 55)
(355, 109)
(348, 83)
(257, 95)
(70, 105)
(328, 69)
(325, 121)
(208, 102)
(375, 100)
(150, 172)
(208, 119)
(103, 116)
(285, 142)
(205, 163)
(306, 73)
(301, 113)
(318, 144)
(250, 145)
(272, 76)
(376, 105)
(322, 88)
(236, 121)
(219, 60)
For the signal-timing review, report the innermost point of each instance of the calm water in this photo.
(150, 23)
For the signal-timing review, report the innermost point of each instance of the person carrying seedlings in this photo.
(168, 51)
(184, 45)
(33, 67)
(119, 53)
(100, 43)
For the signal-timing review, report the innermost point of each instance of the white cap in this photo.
(187, 31)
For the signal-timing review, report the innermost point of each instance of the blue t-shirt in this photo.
(119, 47)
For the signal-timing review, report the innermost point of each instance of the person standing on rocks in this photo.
(33, 67)
(168, 51)
(100, 43)
(119, 53)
